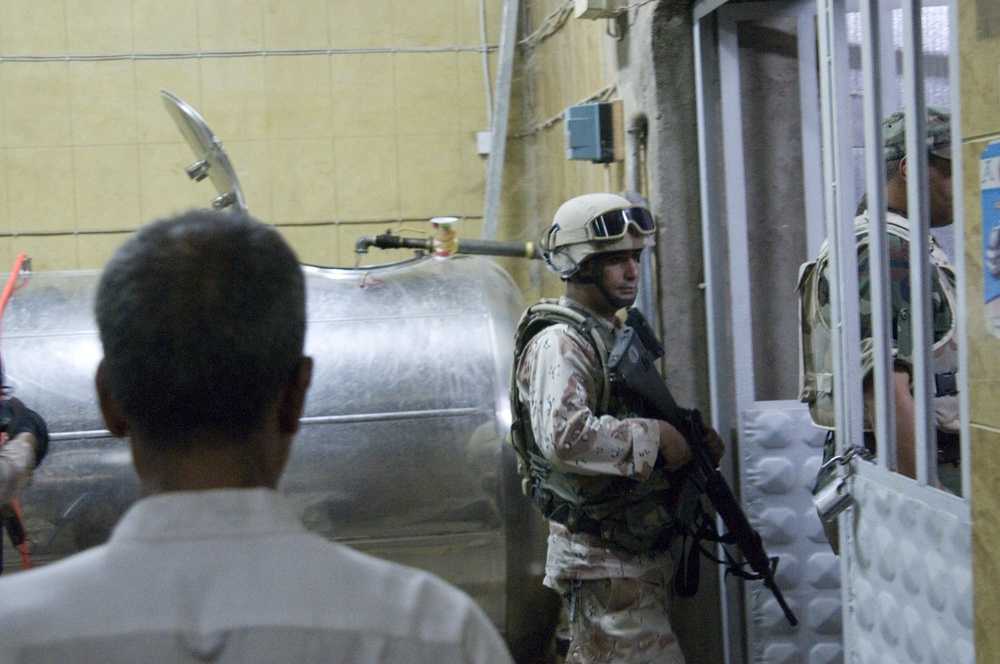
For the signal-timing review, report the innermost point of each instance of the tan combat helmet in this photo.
(595, 224)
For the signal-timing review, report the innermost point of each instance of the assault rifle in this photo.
(631, 366)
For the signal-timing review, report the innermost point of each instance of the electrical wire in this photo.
(486, 63)
(549, 26)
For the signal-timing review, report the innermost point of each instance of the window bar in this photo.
(843, 275)
(957, 185)
(878, 251)
(918, 215)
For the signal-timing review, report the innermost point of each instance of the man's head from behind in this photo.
(202, 320)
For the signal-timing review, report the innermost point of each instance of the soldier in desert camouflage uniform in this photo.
(817, 361)
(598, 470)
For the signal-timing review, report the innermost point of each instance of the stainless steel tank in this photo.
(401, 453)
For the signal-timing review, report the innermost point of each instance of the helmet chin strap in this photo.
(618, 303)
(591, 274)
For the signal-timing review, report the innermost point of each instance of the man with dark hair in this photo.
(595, 462)
(202, 320)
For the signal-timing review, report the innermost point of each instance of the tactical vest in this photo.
(631, 515)
(816, 339)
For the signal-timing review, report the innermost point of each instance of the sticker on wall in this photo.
(989, 184)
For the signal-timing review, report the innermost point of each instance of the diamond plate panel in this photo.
(780, 453)
(911, 578)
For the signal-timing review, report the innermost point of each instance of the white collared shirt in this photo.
(233, 576)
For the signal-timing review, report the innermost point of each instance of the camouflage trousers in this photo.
(624, 621)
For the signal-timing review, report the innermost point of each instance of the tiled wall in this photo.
(980, 83)
(342, 118)
(573, 65)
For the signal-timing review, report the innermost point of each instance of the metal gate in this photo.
(901, 591)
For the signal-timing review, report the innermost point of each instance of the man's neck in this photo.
(591, 297)
(203, 467)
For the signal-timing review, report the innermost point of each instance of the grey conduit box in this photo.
(590, 132)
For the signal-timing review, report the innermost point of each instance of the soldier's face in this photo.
(619, 277)
(940, 195)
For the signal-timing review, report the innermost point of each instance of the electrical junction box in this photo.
(595, 8)
(591, 131)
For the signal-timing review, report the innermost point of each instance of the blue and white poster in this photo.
(989, 184)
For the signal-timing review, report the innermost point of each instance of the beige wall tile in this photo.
(467, 22)
(985, 535)
(106, 186)
(103, 102)
(33, 28)
(471, 98)
(360, 24)
(303, 180)
(4, 202)
(298, 93)
(429, 176)
(7, 256)
(363, 94)
(165, 27)
(39, 114)
(252, 162)
(231, 25)
(99, 28)
(96, 249)
(234, 98)
(49, 252)
(367, 178)
(164, 185)
(423, 22)
(314, 245)
(303, 24)
(472, 168)
(980, 66)
(182, 78)
(40, 185)
(470, 228)
(426, 93)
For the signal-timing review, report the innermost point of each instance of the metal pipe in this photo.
(498, 124)
(478, 247)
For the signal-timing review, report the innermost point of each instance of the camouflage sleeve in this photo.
(899, 293)
(558, 379)
(17, 459)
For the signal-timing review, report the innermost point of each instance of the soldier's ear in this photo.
(902, 168)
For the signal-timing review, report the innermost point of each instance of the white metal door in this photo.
(906, 545)
(778, 450)
(906, 563)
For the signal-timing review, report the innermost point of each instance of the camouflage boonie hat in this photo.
(938, 133)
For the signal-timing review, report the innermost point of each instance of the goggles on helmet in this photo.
(611, 225)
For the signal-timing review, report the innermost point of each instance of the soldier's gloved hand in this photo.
(673, 447)
(17, 418)
(716, 446)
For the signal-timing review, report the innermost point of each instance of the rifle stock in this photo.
(633, 365)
